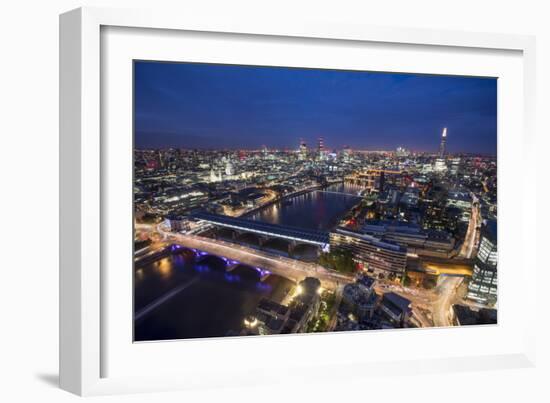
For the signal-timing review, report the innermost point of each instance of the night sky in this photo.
(211, 106)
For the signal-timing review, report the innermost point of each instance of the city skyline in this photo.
(280, 201)
(209, 106)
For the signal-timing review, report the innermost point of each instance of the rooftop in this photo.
(272, 306)
(366, 281)
(373, 240)
(490, 230)
(402, 303)
(468, 316)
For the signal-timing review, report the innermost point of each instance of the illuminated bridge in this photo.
(292, 234)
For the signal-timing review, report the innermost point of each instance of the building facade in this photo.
(396, 308)
(483, 285)
(360, 298)
(374, 254)
(417, 240)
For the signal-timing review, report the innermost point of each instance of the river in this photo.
(209, 303)
(176, 298)
(319, 210)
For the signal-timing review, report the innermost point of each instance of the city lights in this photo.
(279, 201)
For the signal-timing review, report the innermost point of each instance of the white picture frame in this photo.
(83, 306)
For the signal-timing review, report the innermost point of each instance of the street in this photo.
(290, 268)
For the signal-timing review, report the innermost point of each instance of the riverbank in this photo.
(289, 196)
(320, 208)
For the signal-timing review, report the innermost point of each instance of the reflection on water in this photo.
(218, 302)
(319, 210)
(210, 307)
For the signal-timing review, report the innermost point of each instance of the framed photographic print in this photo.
(313, 196)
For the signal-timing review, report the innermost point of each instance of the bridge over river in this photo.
(294, 235)
(264, 262)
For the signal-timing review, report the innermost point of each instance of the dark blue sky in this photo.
(221, 106)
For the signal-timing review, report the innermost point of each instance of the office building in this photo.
(417, 240)
(359, 297)
(483, 284)
(373, 254)
(396, 308)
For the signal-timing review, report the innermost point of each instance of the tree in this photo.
(429, 282)
(406, 281)
(339, 260)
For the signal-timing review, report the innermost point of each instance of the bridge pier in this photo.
(291, 247)
(262, 240)
(231, 266)
(200, 256)
(235, 234)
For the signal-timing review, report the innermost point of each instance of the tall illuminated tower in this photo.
(303, 149)
(442, 150)
(440, 164)
(321, 148)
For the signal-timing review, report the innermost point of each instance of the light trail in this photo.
(158, 302)
(290, 268)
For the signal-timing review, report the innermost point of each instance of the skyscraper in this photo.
(442, 150)
(303, 149)
(440, 165)
(320, 148)
(483, 284)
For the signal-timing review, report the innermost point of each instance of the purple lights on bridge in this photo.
(229, 263)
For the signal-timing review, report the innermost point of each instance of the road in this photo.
(446, 289)
(290, 268)
(422, 300)
(468, 246)
(438, 301)
(441, 309)
(339, 293)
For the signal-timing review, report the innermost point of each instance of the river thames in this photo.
(320, 209)
(202, 300)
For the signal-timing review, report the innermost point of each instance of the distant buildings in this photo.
(346, 154)
(321, 153)
(410, 197)
(215, 176)
(373, 180)
(229, 171)
(303, 150)
(402, 152)
(440, 163)
(442, 145)
(455, 166)
(483, 284)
